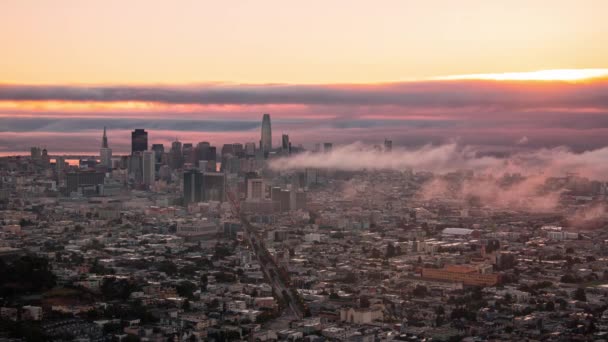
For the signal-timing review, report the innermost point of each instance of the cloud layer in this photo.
(518, 181)
(456, 93)
(493, 114)
(451, 158)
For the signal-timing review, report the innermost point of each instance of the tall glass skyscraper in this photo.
(266, 141)
(139, 140)
(285, 144)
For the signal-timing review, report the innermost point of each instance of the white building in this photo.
(197, 228)
(360, 315)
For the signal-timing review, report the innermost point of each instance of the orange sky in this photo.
(339, 64)
(318, 41)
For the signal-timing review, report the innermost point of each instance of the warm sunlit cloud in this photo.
(540, 75)
(496, 113)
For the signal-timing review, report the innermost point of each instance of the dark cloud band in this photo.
(409, 94)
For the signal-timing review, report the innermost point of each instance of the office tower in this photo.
(136, 167)
(176, 155)
(249, 175)
(35, 152)
(159, 150)
(204, 186)
(160, 158)
(205, 151)
(388, 145)
(188, 153)
(327, 147)
(148, 168)
(105, 156)
(266, 141)
(202, 150)
(230, 164)
(164, 173)
(227, 149)
(212, 154)
(46, 160)
(288, 199)
(139, 141)
(85, 182)
(87, 163)
(211, 165)
(256, 189)
(285, 144)
(193, 186)
(250, 149)
(238, 149)
(214, 186)
(105, 153)
(59, 166)
(281, 198)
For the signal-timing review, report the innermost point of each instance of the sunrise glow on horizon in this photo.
(418, 71)
(539, 75)
(316, 42)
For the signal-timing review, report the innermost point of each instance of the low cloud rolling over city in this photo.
(489, 181)
(451, 158)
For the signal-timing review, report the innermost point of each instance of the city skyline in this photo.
(481, 73)
(314, 171)
(505, 114)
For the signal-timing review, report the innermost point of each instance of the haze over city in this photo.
(303, 171)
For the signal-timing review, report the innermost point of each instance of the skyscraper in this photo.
(227, 149)
(139, 141)
(84, 182)
(193, 186)
(205, 151)
(266, 141)
(285, 144)
(136, 167)
(149, 168)
(104, 139)
(388, 145)
(188, 153)
(176, 155)
(35, 152)
(105, 153)
(250, 149)
(159, 151)
(202, 186)
(238, 149)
